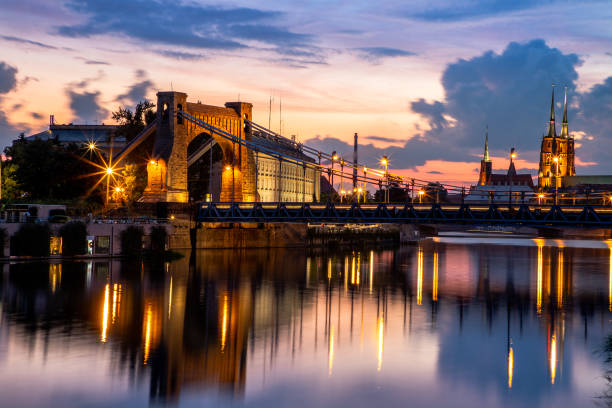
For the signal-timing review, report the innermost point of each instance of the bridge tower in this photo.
(167, 169)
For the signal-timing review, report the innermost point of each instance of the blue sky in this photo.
(418, 81)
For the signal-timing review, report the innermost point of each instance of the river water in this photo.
(451, 322)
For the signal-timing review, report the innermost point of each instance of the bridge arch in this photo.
(167, 171)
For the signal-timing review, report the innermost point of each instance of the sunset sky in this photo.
(419, 80)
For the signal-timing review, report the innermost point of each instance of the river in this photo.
(451, 322)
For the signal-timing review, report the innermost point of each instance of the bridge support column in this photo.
(167, 170)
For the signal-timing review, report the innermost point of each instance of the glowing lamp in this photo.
(421, 192)
(228, 168)
(556, 159)
(153, 162)
(109, 170)
(540, 195)
(92, 146)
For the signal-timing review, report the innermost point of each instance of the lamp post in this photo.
(109, 172)
(421, 194)
(341, 177)
(359, 190)
(385, 162)
(512, 157)
(540, 197)
(334, 157)
(365, 182)
(556, 160)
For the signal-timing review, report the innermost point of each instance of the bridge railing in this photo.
(403, 213)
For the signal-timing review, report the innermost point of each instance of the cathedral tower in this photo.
(485, 164)
(556, 152)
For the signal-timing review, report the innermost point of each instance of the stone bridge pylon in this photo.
(167, 169)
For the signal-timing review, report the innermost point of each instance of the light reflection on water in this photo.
(513, 323)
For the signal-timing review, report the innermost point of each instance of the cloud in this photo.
(181, 55)
(509, 91)
(36, 115)
(183, 24)
(27, 42)
(138, 91)
(8, 78)
(383, 139)
(8, 82)
(592, 126)
(86, 106)
(376, 54)
(456, 11)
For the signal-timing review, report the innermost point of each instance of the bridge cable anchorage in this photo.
(312, 160)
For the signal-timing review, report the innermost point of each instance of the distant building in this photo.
(498, 187)
(102, 135)
(556, 152)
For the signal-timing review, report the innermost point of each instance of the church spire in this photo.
(564, 128)
(552, 130)
(486, 151)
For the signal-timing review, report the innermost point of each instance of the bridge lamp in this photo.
(513, 155)
(334, 156)
(91, 146)
(109, 170)
(421, 194)
(153, 162)
(228, 168)
(540, 197)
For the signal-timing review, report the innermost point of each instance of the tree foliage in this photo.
(130, 124)
(45, 169)
(74, 238)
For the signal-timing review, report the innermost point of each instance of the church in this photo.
(556, 152)
(498, 188)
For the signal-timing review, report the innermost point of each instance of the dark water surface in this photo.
(452, 322)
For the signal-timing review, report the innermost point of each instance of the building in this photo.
(497, 188)
(556, 152)
(102, 135)
(275, 180)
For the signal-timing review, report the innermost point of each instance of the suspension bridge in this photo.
(242, 141)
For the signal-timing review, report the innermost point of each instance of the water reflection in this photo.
(496, 325)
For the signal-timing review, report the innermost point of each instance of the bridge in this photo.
(179, 124)
(406, 213)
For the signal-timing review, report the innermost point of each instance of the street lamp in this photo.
(109, 172)
(359, 190)
(385, 162)
(512, 157)
(540, 197)
(421, 194)
(334, 157)
(556, 160)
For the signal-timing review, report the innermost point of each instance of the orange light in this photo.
(359, 190)
(513, 155)
(92, 146)
(556, 159)
(421, 192)
(540, 195)
(153, 162)
(335, 157)
(228, 168)
(109, 170)
(118, 189)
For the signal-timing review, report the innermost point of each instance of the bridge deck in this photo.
(402, 213)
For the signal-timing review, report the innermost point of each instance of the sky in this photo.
(419, 81)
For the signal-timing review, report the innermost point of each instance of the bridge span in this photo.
(527, 215)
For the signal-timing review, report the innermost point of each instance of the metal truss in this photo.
(521, 215)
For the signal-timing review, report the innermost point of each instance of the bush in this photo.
(159, 236)
(74, 238)
(3, 236)
(31, 240)
(131, 240)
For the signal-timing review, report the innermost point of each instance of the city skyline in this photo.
(418, 84)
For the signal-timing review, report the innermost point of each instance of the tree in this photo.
(10, 188)
(134, 181)
(131, 123)
(47, 170)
